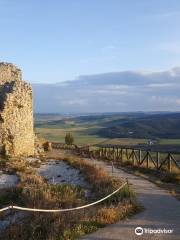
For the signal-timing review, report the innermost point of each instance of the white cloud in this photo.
(165, 100)
(113, 89)
(116, 91)
(160, 99)
(111, 92)
(178, 101)
(175, 72)
(117, 87)
(71, 102)
(161, 85)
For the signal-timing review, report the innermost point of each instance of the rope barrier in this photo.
(61, 210)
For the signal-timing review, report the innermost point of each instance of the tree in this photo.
(69, 139)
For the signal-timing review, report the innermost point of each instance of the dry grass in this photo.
(102, 183)
(33, 191)
(168, 181)
(164, 176)
(108, 215)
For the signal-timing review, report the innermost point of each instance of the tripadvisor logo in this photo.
(139, 231)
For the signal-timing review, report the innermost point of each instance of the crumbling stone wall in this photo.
(9, 73)
(16, 114)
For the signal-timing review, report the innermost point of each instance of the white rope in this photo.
(61, 210)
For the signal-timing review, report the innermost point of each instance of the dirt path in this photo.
(161, 211)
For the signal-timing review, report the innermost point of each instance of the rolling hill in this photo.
(165, 125)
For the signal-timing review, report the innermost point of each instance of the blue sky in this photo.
(58, 40)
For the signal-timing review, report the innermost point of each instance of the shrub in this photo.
(69, 139)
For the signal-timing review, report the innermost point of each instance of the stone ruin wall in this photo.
(16, 113)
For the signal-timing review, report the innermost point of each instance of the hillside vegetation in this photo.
(121, 128)
(148, 126)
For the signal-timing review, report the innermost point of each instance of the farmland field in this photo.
(92, 129)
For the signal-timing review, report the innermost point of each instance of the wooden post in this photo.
(157, 159)
(117, 154)
(127, 158)
(140, 156)
(121, 153)
(169, 162)
(106, 153)
(147, 159)
(133, 157)
(114, 156)
(110, 153)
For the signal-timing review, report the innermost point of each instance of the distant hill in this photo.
(148, 126)
(117, 125)
(114, 128)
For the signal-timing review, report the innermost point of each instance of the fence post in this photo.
(114, 155)
(147, 159)
(157, 159)
(127, 157)
(117, 154)
(133, 157)
(103, 152)
(169, 162)
(100, 153)
(140, 156)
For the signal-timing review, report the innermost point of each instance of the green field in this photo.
(86, 130)
(169, 141)
(56, 131)
(58, 135)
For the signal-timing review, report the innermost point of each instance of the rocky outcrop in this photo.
(16, 114)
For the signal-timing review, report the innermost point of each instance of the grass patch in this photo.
(164, 176)
(166, 180)
(7, 196)
(33, 191)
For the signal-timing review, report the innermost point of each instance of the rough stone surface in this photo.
(16, 114)
(9, 73)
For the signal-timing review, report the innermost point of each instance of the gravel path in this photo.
(8, 181)
(60, 172)
(161, 211)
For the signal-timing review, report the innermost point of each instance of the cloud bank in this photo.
(111, 92)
